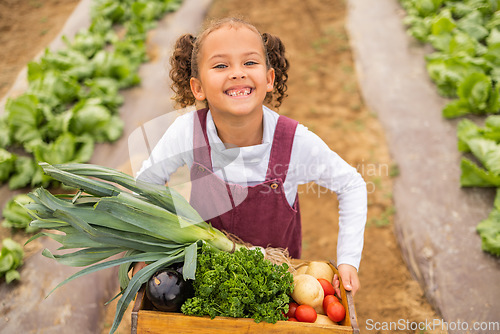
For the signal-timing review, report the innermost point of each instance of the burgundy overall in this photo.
(258, 214)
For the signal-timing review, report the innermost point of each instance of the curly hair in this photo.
(184, 62)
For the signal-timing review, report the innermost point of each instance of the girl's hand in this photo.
(350, 279)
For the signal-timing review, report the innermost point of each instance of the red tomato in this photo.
(305, 313)
(291, 309)
(328, 300)
(292, 319)
(336, 312)
(327, 286)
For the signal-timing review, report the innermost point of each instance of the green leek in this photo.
(145, 222)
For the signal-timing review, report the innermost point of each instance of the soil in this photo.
(323, 95)
(26, 28)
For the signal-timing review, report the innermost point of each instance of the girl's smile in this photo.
(239, 91)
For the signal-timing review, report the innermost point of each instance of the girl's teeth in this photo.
(241, 92)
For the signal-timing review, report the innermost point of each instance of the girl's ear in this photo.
(270, 80)
(197, 89)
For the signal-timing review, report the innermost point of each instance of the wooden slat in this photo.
(348, 303)
(152, 322)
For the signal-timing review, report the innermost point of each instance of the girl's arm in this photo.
(315, 161)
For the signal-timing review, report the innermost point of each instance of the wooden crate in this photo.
(147, 320)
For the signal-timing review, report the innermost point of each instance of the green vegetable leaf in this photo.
(11, 257)
(115, 65)
(190, 256)
(7, 163)
(493, 38)
(493, 122)
(427, 7)
(109, 9)
(475, 89)
(488, 152)
(477, 95)
(84, 257)
(90, 117)
(492, 128)
(473, 25)
(5, 136)
(86, 42)
(25, 169)
(443, 23)
(56, 125)
(494, 21)
(241, 284)
(420, 28)
(462, 44)
(105, 91)
(66, 148)
(489, 229)
(24, 118)
(475, 176)
(447, 71)
(12, 275)
(455, 109)
(441, 29)
(15, 214)
(54, 88)
(466, 130)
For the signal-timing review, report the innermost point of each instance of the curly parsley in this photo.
(241, 285)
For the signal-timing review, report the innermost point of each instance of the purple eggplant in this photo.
(167, 290)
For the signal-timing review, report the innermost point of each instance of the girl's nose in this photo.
(238, 74)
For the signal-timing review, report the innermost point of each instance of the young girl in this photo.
(245, 160)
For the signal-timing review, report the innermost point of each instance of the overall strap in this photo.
(201, 146)
(281, 149)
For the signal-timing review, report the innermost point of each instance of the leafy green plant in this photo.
(489, 229)
(484, 144)
(7, 163)
(11, 257)
(240, 285)
(477, 95)
(15, 214)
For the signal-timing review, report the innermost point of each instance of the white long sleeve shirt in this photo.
(311, 161)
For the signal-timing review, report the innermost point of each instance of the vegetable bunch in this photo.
(118, 214)
(240, 285)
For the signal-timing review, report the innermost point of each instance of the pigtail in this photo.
(180, 72)
(277, 60)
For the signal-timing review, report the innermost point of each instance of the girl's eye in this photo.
(220, 66)
(250, 62)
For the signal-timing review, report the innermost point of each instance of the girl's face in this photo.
(233, 76)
